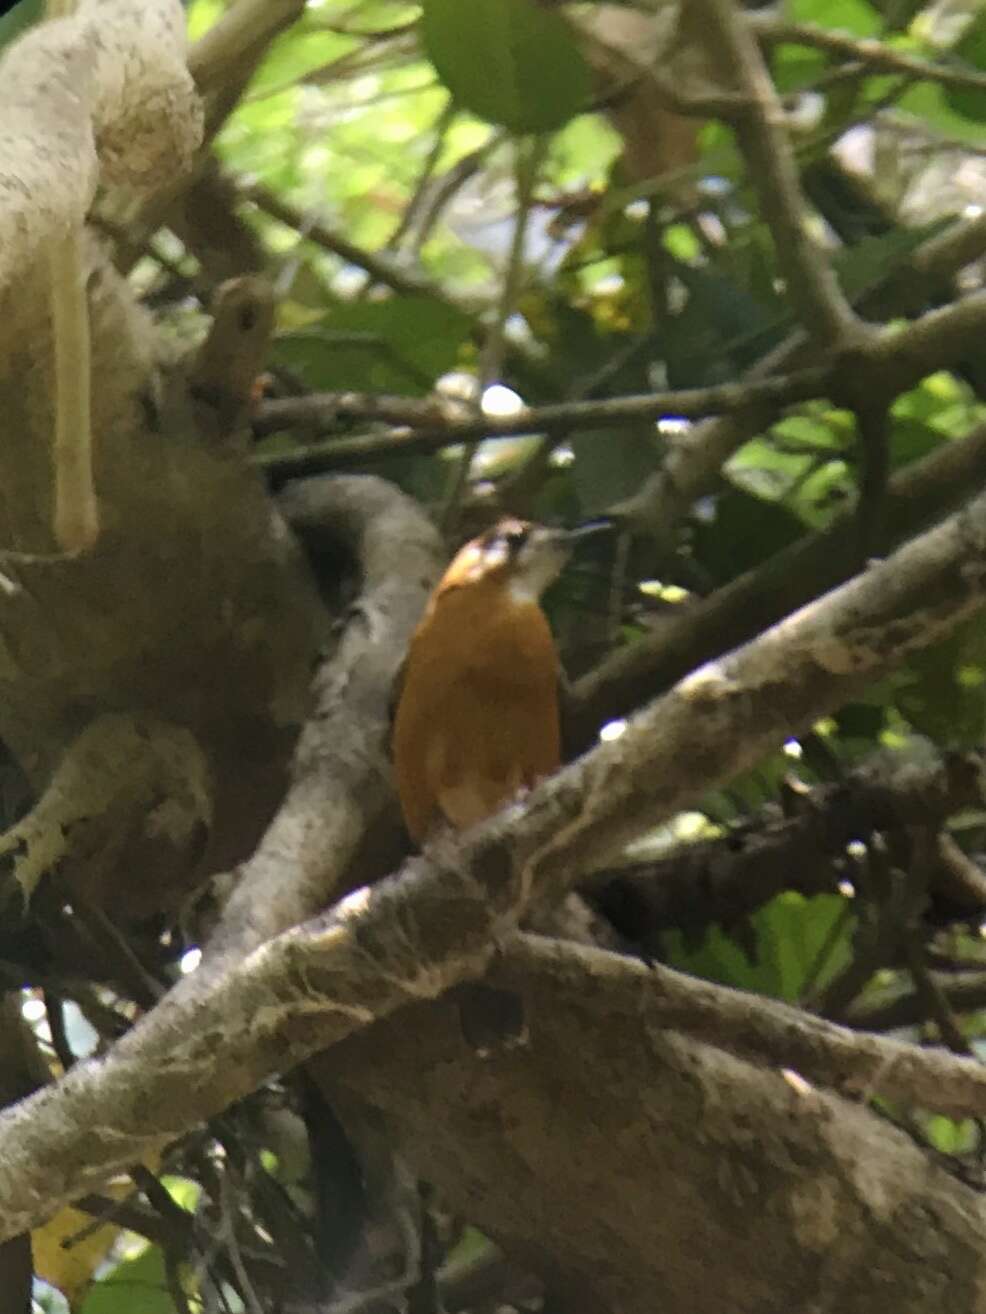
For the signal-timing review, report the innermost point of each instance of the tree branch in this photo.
(724, 879)
(341, 792)
(325, 410)
(943, 256)
(683, 1149)
(869, 53)
(84, 101)
(383, 268)
(811, 283)
(558, 418)
(223, 370)
(902, 1006)
(223, 1030)
(891, 362)
(219, 56)
(764, 1031)
(734, 613)
(692, 469)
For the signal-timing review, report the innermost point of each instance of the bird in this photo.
(477, 720)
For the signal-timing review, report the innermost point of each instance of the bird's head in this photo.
(516, 554)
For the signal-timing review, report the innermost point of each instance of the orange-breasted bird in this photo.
(477, 719)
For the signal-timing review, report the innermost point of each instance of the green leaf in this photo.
(743, 531)
(402, 344)
(930, 103)
(792, 936)
(944, 696)
(305, 49)
(910, 440)
(950, 1137)
(855, 16)
(795, 67)
(508, 61)
(933, 401)
(824, 494)
(612, 464)
(868, 262)
(971, 49)
(135, 1285)
(721, 330)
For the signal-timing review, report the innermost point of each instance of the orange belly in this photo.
(477, 720)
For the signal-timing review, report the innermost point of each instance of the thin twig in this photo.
(381, 267)
(454, 180)
(869, 53)
(811, 283)
(901, 1006)
(144, 988)
(780, 390)
(55, 1012)
(889, 898)
(529, 158)
(378, 52)
(443, 123)
(933, 998)
(228, 1228)
(172, 1273)
(160, 1199)
(617, 585)
(104, 1211)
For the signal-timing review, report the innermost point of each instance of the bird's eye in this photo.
(515, 537)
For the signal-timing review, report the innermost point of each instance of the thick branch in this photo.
(653, 1168)
(763, 1030)
(934, 341)
(341, 789)
(124, 775)
(216, 1037)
